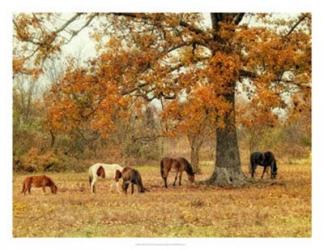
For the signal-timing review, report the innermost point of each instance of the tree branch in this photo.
(68, 22)
(295, 25)
(246, 73)
(238, 18)
(76, 32)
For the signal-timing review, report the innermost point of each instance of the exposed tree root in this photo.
(224, 177)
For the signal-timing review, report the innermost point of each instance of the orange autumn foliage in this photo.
(80, 101)
(201, 111)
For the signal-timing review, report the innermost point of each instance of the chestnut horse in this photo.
(38, 181)
(179, 165)
(105, 171)
(130, 176)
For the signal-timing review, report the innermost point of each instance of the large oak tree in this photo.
(167, 55)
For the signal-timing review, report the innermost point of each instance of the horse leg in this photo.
(165, 182)
(29, 188)
(132, 186)
(92, 185)
(180, 177)
(176, 177)
(264, 170)
(253, 167)
(164, 174)
(125, 187)
(24, 189)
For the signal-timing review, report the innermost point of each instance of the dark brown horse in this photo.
(179, 165)
(266, 159)
(130, 176)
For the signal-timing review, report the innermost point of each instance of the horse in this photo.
(38, 181)
(265, 159)
(130, 176)
(179, 164)
(105, 171)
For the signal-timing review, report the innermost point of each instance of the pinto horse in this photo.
(105, 171)
(265, 159)
(179, 165)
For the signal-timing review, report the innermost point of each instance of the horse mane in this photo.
(187, 166)
(269, 156)
(273, 159)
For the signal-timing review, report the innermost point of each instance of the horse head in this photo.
(189, 169)
(274, 171)
(191, 178)
(54, 189)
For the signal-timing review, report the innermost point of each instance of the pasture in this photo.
(282, 209)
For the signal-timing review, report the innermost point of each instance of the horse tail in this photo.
(23, 187)
(161, 168)
(90, 179)
(91, 172)
(251, 163)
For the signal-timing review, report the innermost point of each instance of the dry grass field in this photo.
(282, 209)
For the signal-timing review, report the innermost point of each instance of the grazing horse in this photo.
(105, 171)
(265, 159)
(179, 165)
(130, 176)
(38, 181)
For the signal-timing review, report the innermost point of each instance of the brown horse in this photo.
(130, 176)
(179, 165)
(38, 181)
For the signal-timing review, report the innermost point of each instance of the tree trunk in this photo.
(227, 171)
(52, 138)
(194, 158)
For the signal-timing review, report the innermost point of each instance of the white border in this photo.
(10, 7)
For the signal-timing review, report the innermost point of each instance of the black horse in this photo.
(265, 159)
